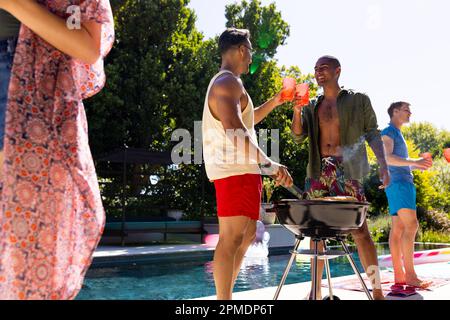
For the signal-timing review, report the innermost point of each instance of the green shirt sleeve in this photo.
(370, 121)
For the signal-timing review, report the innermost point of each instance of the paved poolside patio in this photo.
(299, 291)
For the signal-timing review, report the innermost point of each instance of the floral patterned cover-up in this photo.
(51, 217)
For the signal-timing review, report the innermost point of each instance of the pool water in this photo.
(194, 279)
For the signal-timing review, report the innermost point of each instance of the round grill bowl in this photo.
(320, 218)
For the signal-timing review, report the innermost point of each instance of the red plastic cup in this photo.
(302, 92)
(427, 156)
(447, 154)
(288, 92)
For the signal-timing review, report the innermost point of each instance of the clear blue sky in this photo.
(391, 50)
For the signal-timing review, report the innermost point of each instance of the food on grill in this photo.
(338, 198)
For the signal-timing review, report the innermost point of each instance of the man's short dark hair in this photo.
(333, 61)
(232, 37)
(396, 106)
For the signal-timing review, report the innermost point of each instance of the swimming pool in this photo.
(194, 279)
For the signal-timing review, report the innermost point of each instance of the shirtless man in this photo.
(338, 123)
(228, 123)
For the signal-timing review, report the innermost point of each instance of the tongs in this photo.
(296, 191)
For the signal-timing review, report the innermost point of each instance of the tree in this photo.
(157, 74)
(157, 77)
(158, 62)
(427, 137)
(269, 31)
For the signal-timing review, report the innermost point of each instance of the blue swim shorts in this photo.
(401, 195)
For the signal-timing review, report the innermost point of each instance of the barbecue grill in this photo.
(321, 220)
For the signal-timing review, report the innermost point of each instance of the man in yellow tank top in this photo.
(238, 185)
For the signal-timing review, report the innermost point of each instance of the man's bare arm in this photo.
(297, 127)
(225, 97)
(263, 111)
(377, 146)
(394, 160)
(378, 149)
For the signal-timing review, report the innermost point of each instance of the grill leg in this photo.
(288, 267)
(327, 269)
(315, 271)
(355, 269)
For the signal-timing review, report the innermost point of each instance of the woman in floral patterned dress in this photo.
(51, 216)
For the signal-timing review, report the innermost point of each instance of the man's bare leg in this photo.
(231, 235)
(409, 220)
(395, 245)
(368, 256)
(320, 266)
(249, 237)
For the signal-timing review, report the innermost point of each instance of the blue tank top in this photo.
(398, 174)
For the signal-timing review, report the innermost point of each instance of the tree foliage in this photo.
(427, 137)
(155, 72)
(157, 76)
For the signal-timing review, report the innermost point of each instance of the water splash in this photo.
(260, 247)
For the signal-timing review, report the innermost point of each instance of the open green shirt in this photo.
(358, 123)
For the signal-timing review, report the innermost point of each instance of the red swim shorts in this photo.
(239, 196)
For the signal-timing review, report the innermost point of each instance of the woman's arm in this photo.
(83, 44)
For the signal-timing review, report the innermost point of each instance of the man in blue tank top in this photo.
(401, 194)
